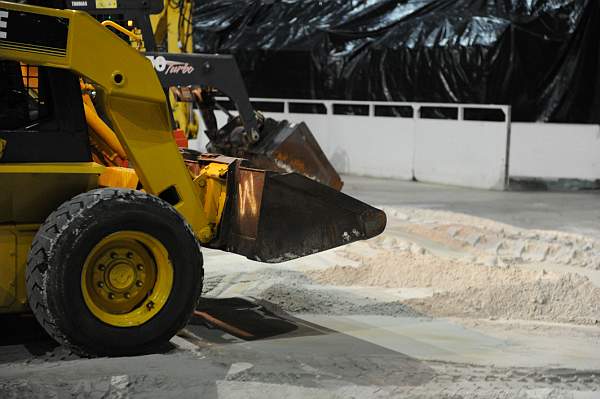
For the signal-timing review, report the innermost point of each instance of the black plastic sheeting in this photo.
(540, 56)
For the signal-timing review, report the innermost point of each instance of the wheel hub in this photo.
(121, 279)
(121, 276)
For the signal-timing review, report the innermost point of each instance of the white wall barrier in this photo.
(470, 153)
(555, 151)
(362, 145)
(460, 151)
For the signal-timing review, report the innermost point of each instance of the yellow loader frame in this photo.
(131, 96)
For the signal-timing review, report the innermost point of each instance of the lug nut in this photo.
(111, 296)
(113, 255)
(140, 267)
(139, 283)
(100, 284)
(127, 295)
(101, 267)
(129, 255)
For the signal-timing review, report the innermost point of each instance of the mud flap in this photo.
(288, 148)
(272, 217)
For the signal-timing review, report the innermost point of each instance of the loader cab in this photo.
(43, 140)
(41, 115)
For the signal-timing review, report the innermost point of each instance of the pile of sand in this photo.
(476, 268)
(413, 269)
(497, 243)
(570, 299)
(299, 299)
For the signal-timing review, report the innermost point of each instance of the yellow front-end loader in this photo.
(108, 270)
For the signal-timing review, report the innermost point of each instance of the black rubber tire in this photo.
(58, 253)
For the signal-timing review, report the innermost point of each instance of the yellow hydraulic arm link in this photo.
(130, 95)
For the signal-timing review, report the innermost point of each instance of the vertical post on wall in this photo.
(508, 121)
(416, 109)
(329, 107)
(286, 107)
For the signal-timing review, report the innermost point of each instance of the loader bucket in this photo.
(287, 147)
(273, 217)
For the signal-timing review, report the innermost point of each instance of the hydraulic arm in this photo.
(197, 79)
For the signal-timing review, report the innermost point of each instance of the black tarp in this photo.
(540, 56)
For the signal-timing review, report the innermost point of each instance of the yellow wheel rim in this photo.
(127, 278)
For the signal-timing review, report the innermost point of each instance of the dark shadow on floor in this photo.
(21, 329)
(23, 339)
(247, 319)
